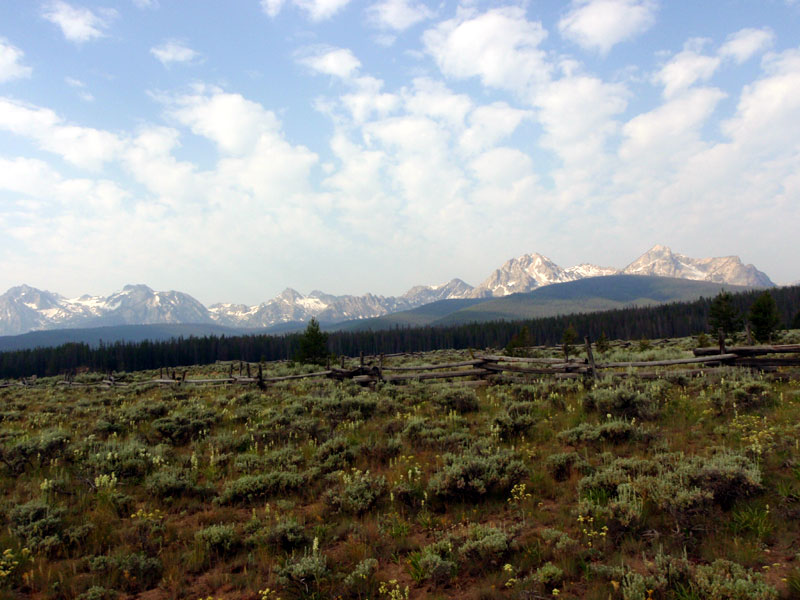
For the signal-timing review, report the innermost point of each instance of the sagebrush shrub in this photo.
(477, 472)
(357, 492)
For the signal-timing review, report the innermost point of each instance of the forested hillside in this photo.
(670, 320)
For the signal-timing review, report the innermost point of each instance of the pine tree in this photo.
(602, 343)
(764, 317)
(568, 340)
(722, 314)
(313, 345)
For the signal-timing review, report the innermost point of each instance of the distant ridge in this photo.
(580, 296)
(24, 308)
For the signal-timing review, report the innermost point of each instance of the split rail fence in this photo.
(483, 369)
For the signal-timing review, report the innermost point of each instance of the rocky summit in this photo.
(24, 308)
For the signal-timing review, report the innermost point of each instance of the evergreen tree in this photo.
(313, 345)
(723, 315)
(568, 340)
(602, 343)
(796, 321)
(764, 317)
(518, 342)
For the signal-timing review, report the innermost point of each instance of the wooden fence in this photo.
(482, 369)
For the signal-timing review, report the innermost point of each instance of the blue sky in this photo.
(230, 150)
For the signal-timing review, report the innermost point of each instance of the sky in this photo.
(231, 150)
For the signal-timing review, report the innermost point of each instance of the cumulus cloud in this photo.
(398, 15)
(78, 24)
(684, 70)
(317, 10)
(11, 66)
(601, 24)
(173, 51)
(339, 62)
(501, 47)
(82, 146)
(743, 44)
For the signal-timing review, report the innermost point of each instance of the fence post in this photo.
(590, 356)
(721, 335)
(342, 361)
(749, 334)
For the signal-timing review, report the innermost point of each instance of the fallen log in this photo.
(666, 363)
(576, 368)
(465, 363)
(751, 350)
(523, 359)
(445, 375)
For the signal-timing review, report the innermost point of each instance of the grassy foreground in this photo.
(540, 489)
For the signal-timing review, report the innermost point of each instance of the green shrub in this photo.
(482, 547)
(743, 396)
(34, 451)
(476, 473)
(461, 400)
(219, 540)
(560, 465)
(39, 525)
(186, 424)
(304, 576)
(622, 402)
(176, 483)
(131, 572)
(613, 431)
(357, 492)
(361, 581)
(255, 487)
(434, 563)
(336, 454)
(287, 534)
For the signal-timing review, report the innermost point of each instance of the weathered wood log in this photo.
(444, 375)
(751, 350)
(533, 370)
(465, 363)
(590, 357)
(666, 363)
(522, 359)
(774, 361)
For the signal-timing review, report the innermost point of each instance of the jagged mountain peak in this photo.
(24, 308)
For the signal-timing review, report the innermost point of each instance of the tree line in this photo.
(677, 319)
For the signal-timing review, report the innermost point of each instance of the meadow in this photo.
(529, 488)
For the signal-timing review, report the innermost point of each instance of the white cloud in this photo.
(501, 166)
(318, 10)
(272, 7)
(78, 24)
(500, 46)
(577, 114)
(601, 24)
(398, 15)
(490, 124)
(339, 62)
(657, 141)
(743, 44)
(173, 51)
(684, 70)
(145, 3)
(432, 99)
(368, 101)
(11, 66)
(82, 146)
(768, 113)
(78, 85)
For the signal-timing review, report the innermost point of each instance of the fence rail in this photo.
(483, 368)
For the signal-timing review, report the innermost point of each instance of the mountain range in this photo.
(24, 308)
